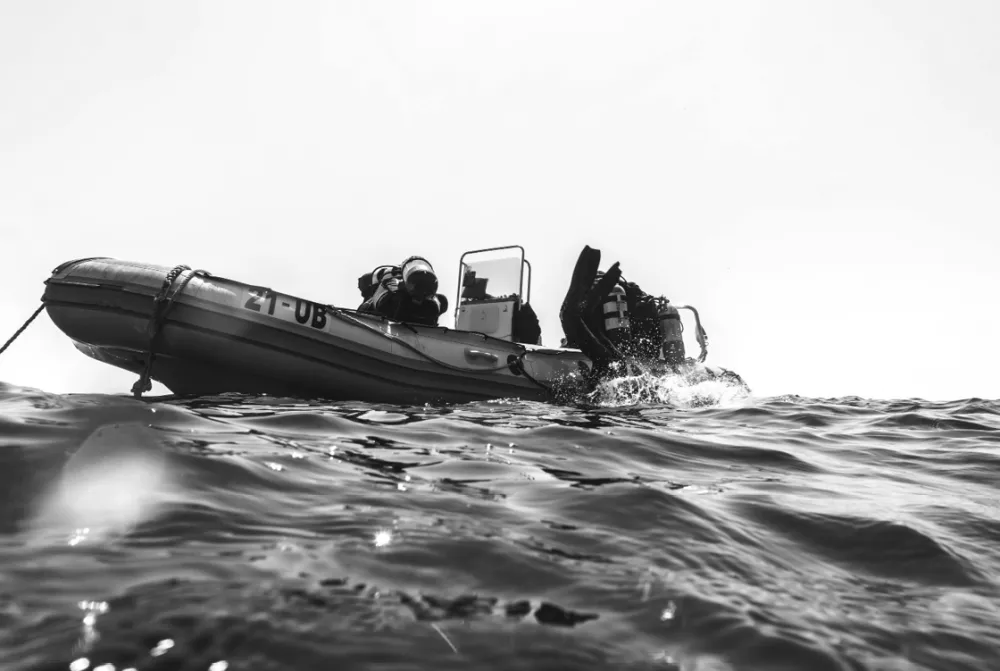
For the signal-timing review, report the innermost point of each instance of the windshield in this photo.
(491, 275)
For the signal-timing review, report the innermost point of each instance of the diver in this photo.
(612, 320)
(406, 293)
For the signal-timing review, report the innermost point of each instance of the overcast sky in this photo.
(821, 179)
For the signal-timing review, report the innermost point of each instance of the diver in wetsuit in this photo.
(611, 320)
(407, 292)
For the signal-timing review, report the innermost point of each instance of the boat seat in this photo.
(526, 328)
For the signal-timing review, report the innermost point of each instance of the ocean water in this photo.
(709, 530)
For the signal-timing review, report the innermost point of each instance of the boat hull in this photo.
(219, 335)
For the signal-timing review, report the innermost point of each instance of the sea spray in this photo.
(690, 389)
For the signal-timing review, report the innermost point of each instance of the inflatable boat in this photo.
(198, 334)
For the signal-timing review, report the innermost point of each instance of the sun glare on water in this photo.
(116, 480)
(382, 538)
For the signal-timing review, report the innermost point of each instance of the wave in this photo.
(260, 532)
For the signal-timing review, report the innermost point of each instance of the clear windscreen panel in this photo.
(491, 275)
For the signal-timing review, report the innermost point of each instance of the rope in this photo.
(21, 330)
(161, 305)
(339, 314)
(547, 389)
(357, 322)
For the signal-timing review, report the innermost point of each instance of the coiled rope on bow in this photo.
(162, 303)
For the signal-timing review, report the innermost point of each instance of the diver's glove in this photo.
(441, 301)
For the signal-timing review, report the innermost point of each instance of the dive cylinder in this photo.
(671, 330)
(616, 318)
(419, 278)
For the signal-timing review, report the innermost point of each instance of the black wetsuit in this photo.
(399, 305)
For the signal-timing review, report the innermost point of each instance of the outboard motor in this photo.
(671, 333)
(617, 326)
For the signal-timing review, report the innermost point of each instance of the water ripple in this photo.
(722, 532)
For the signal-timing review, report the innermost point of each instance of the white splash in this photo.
(694, 388)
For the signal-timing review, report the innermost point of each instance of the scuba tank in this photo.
(415, 275)
(421, 284)
(406, 292)
(671, 330)
(418, 278)
(617, 326)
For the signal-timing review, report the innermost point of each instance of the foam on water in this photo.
(692, 389)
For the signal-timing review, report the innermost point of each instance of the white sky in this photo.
(819, 178)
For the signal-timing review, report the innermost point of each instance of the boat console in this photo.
(494, 289)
